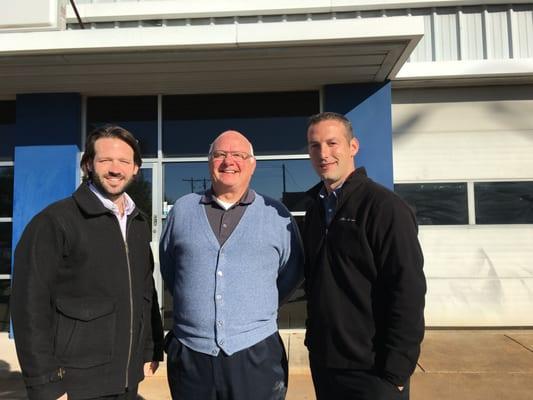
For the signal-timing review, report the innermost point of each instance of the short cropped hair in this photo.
(332, 116)
(113, 132)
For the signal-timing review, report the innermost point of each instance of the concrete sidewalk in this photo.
(454, 365)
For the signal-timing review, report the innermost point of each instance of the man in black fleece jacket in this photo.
(364, 280)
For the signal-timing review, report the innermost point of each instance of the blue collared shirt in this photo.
(329, 200)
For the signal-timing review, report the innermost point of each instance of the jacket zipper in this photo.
(131, 305)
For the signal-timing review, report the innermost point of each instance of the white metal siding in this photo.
(478, 275)
(446, 45)
(462, 134)
(423, 51)
(471, 34)
(497, 33)
(523, 32)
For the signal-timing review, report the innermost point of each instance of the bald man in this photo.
(230, 257)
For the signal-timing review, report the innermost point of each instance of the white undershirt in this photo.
(129, 206)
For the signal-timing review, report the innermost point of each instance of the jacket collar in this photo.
(91, 205)
(349, 185)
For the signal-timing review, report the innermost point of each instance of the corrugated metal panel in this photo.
(497, 33)
(446, 43)
(424, 50)
(471, 33)
(523, 32)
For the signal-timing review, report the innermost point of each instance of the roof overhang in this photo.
(270, 56)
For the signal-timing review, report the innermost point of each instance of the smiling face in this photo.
(113, 167)
(230, 175)
(331, 151)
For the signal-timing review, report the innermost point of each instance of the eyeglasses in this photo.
(236, 155)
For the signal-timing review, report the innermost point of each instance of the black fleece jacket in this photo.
(84, 309)
(364, 281)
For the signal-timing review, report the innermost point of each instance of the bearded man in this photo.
(84, 308)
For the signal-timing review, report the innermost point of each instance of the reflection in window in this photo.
(183, 178)
(286, 181)
(6, 192)
(5, 247)
(141, 191)
(5, 290)
(274, 122)
(436, 203)
(138, 114)
(504, 202)
(7, 129)
(283, 180)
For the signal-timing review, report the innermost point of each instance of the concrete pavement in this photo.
(454, 365)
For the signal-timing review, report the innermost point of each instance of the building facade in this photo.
(440, 94)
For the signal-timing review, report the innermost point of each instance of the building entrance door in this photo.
(144, 192)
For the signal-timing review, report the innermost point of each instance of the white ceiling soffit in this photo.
(210, 58)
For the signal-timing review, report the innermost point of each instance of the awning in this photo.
(271, 56)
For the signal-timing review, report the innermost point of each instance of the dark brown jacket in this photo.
(84, 309)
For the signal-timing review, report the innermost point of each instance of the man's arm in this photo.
(399, 261)
(37, 258)
(290, 274)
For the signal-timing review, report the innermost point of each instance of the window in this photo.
(6, 192)
(138, 114)
(504, 202)
(6, 228)
(283, 180)
(7, 129)
(274, 122)
(436, 203)
(5, 290)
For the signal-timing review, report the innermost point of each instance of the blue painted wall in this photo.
(46, 152)
(368, 107)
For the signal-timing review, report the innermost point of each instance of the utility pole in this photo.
(283, 173)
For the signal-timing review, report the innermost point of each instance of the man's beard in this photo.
(97, 182)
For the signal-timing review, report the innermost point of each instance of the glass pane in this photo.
(6, 192)
(137, 114)
(182, 178)
(504, 202)
(436, 203)
(5, 247)
(8, 118)
(274, 122)
(284, 180)
(141, 191)
(5, 291)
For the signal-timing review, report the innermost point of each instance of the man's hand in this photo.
(149, 368)
(64, 397)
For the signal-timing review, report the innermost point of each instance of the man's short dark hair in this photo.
(113, 132)
(332, 116)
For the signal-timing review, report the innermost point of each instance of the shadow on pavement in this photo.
(11, 383)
